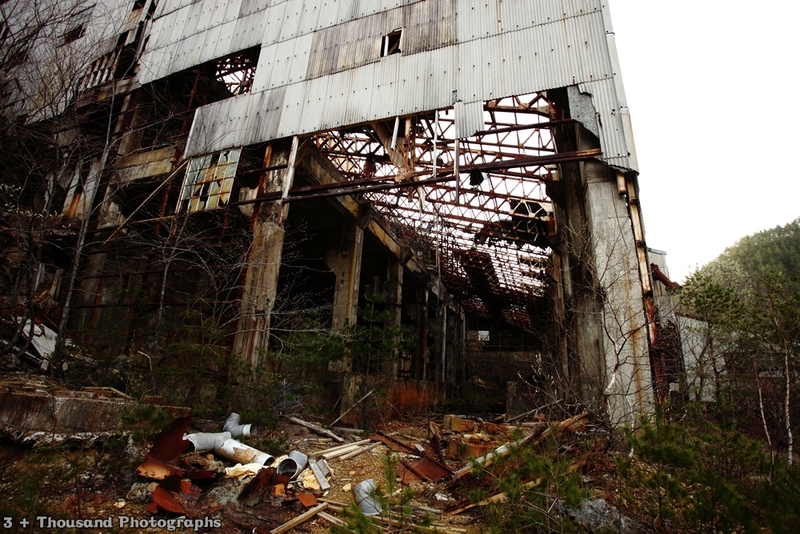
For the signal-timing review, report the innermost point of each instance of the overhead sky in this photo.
(714, 96)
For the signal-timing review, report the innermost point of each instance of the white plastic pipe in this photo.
(232, 425)
(207, 442)
(244, 454)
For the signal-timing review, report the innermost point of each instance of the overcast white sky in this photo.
(714, 96)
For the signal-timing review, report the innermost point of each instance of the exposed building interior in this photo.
(459, 173)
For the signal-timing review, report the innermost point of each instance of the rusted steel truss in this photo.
(477, 208)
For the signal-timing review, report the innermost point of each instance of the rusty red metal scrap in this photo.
(426, 467)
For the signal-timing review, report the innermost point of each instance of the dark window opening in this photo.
(138, 4)
(16, 58)
(74, 34)
(392, 43)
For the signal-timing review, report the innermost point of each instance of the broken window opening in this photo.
(238, 71)
(74, 34)
(117, 64)
(209, 181)
(138, 4)
(77, 24)
(392, 43)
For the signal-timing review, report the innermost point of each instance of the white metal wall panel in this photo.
(470, 71)
(268, 121)
(469, 118)
(328, 13)
(249, 30)
(316, 98)
(227, 34)
(575, 8)
(248, 7)
(406, 95)
(348, 10)
(587, 34)
(337, 94)
(266, 62)
(476, 19)
(515, 15)
(494, 75)
(300, 57)
(292, 112)
(290, 24)
(283, 62)
(441, 78)
(309, 18)
(612, 135)
(384, 97)
(547, 11)
(272, 31)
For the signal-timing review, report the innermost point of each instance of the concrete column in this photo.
(394, 304)
(604, 321)
(422, 334)
(628, 385)
(260, 287)
(345, 262)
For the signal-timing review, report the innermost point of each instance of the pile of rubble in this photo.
(200, 475)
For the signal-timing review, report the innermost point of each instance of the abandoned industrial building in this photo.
(456, 175)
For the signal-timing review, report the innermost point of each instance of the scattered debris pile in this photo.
(233, 474)
(214, 474)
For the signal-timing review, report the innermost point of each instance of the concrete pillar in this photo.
(628, 385)
(345, 262)
(394, 304)
(599, 301)
(260, 286)
(420, 356)
(258, 298)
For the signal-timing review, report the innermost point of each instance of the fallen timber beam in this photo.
(504, 450)
(286, 527)
(317, 429)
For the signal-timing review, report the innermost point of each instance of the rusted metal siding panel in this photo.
(428, 25)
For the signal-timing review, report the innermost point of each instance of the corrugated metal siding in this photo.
(469, 118)
(320, 64)
(477, 19)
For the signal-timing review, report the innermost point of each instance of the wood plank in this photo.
(299, 520)
(317, 429)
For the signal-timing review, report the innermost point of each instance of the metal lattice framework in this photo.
(486, 231)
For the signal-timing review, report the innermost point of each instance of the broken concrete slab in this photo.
(29, 409)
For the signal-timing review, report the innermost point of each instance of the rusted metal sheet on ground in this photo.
(170, 443)
(156, 469)
(167, 501)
